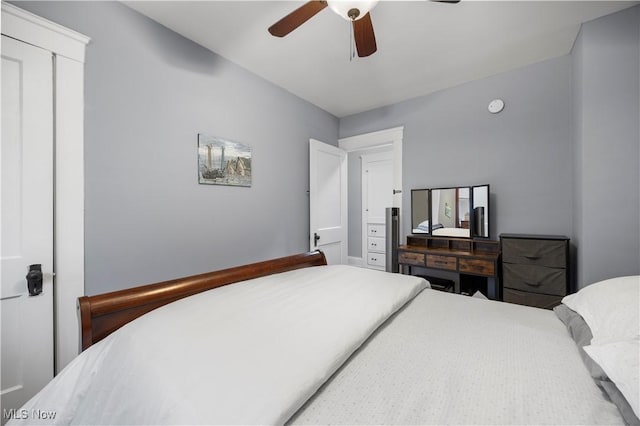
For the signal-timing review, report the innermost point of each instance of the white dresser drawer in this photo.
(376, 259)
(375, 230)
(376, 244)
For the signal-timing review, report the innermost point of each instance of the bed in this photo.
(438, 229)
(297, 341)
(452, 232)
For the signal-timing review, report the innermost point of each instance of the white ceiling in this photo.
(423, 46)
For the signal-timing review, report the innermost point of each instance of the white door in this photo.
(377, 185)
(26, 225)
(377, 195)
(328, 201)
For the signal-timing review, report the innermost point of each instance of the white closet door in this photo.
(26, 223)
(377, 195)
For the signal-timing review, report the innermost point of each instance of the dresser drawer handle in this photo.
(532, 284)
(532, 257)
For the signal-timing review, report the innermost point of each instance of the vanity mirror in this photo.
(480, 213)
(450, 212)
(420, 211)
(461, 211)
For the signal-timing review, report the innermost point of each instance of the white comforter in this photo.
(249, 353)
(450, 359)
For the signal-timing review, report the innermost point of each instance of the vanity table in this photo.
(471, 259)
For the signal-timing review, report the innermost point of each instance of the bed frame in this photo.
(103, 314)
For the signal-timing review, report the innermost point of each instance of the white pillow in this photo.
(621, 362)
(611, 308)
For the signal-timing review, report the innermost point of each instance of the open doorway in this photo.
(370, 146)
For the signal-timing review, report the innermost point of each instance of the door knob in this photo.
(34, 279)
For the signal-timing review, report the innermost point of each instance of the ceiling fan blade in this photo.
(364, 36)
(297, 18)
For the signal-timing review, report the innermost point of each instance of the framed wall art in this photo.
(223, 162)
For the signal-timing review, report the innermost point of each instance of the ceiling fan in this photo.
(355, 11)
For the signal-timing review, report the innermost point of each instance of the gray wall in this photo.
(562, 158)
(607, 147)
(148, 93)
(524, 153)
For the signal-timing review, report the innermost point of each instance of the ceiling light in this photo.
(351, 10)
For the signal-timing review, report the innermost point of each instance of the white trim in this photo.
(68, 47)
(364, 182)
(373, 139)
(379, 139)
(25, 26)
(69, 224)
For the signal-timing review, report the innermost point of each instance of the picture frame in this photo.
(223, 162)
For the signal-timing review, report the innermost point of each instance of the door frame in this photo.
(388, 137)
(68, 49)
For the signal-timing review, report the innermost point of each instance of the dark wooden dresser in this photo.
(535, 269)
(466, 257)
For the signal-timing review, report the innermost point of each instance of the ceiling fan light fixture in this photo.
(351, 10)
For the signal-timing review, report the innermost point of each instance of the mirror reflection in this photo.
(453, 212)
(420, 211)
(450, 212)
(481, 211)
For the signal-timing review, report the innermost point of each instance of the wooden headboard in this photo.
(103, 314)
